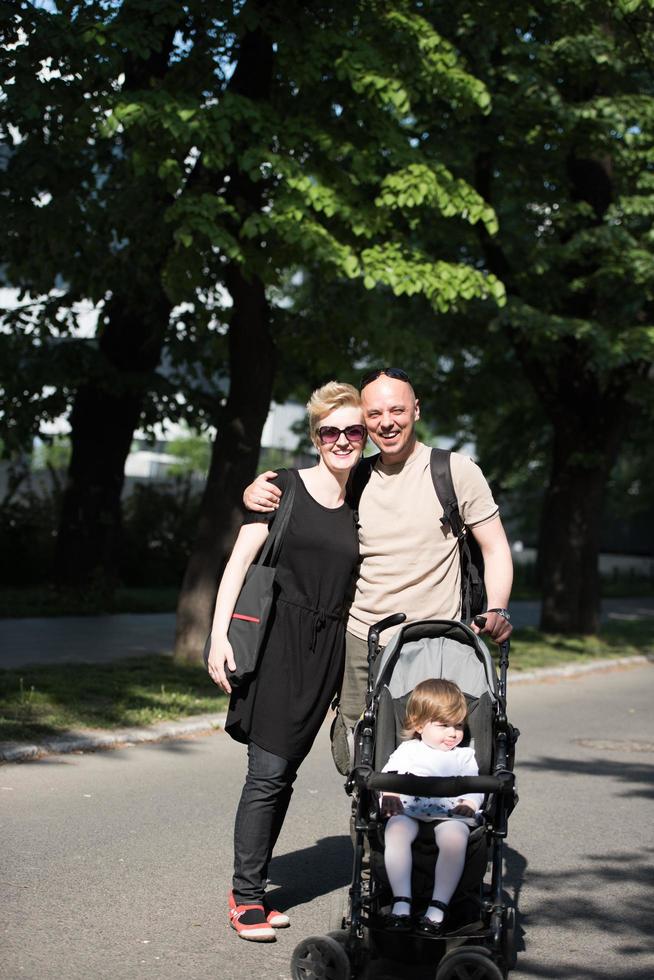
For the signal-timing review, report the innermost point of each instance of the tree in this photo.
(551, 387)
(192, 452)
(329, 184)
(188, 151)
(566, 158)
(83, 223)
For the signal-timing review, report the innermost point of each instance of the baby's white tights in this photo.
(452, 840)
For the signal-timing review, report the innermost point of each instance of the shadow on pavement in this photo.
(575, 903)
(587, 972)
(312, 871)
(609, 900)
(515, 869)
(638, 776)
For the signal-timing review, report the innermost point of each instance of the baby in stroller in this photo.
(392, 873)
(434, 727)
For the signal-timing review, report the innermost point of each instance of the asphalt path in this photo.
(115, 865)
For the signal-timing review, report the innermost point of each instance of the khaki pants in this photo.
(355, 679)
(352, 704)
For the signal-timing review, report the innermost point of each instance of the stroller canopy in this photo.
(436, 648)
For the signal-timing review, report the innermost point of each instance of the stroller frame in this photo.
(486, 944)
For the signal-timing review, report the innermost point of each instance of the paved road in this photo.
(115, 865)
(100, 639)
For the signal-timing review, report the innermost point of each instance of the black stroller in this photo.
(479, 941)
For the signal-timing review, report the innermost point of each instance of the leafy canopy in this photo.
(141, 146)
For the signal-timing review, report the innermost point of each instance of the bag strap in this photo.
(441, 475)
(359, 477)
(273, 545)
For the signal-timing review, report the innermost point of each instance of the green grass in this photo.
(531, 649)
(626, 586)
(43, 701)
(45, 601)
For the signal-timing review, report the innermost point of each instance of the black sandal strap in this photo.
(443, 906)
(402, 898)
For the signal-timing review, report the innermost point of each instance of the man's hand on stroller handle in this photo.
(493, 624)
(391, 805)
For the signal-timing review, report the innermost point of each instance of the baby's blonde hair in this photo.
(434, 700)
(333, 395)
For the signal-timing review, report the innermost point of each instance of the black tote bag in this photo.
(252, 610)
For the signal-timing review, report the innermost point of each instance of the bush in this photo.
(28, 525)
(159, 527)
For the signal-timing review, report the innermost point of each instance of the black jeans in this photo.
(259, 819)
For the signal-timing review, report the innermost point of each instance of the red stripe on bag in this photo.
(248, 619)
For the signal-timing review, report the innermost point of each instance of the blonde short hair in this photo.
(434, 700)
(333, 395)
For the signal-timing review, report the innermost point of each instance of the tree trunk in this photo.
(588, 415)
(105, 414)
(587, 433)
(588, 411)
(252, 370)
(108, 406)
(569, 542)
(233, 462)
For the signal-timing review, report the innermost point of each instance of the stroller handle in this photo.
(410, 785)
(373, 638)
(394, 620)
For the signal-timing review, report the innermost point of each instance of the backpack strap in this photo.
(358, 481)
(473, 596)
(441, 475)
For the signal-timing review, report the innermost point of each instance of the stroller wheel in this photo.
(341, 936)
(468, 964)
(320, 958)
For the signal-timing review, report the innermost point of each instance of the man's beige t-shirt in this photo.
(409, 561)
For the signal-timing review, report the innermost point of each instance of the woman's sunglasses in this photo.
(329, 434)
(390, 372)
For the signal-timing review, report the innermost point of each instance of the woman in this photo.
(278, 713)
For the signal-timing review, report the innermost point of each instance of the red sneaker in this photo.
(250, 922)
(274, 918)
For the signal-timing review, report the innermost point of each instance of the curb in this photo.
(574, 670)
(121, 738)
(206, 724)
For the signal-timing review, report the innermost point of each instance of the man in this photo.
(409, 561)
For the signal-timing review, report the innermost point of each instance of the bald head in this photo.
(391, 409)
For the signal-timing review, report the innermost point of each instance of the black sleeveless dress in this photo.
(282, 708)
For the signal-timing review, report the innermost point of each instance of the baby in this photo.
(435, 717)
